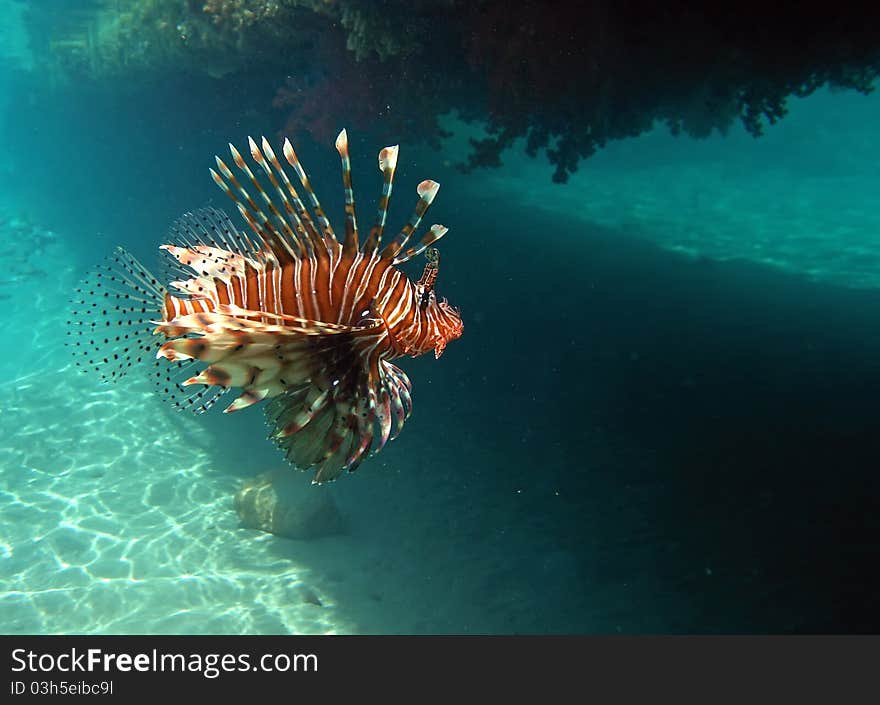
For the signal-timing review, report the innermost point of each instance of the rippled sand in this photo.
(116, 516)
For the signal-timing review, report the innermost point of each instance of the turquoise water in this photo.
(661, 417)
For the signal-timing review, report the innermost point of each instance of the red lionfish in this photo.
(287, 313)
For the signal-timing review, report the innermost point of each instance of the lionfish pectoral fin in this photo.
(331, 421)
(248, 397)
(325, 428)
(231, 348)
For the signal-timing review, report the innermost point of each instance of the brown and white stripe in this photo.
(295, 270)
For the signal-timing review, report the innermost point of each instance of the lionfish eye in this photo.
(425, 298)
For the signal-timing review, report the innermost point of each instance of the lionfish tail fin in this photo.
(113, 315)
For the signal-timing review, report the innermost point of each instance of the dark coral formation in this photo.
(565, 77)
(570, 77)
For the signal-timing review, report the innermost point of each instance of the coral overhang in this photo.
(566, 77)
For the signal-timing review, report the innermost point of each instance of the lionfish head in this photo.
(446, 318)
(449, 326)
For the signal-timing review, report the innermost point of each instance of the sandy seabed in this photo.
(117, 516)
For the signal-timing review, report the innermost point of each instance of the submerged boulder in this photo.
(280, 503)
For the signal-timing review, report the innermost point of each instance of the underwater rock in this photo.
(278, 502)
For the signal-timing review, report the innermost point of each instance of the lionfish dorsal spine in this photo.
(427, 191)
(387, 165)
(320, 216)
(272, 238)
(230, 177)
(434, 234)
(295, 206)
(221, 182)
(351, 232)
(291, 243)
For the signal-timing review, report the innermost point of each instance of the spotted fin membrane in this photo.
(112, 317)
(113, 314)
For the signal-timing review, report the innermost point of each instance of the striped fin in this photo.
(282, 247)
(297, 417)
(319, 425)
(327, 428)
(387, 165)
(112, 317)
(399, 387)
(330, 423)
(215, 336)
(320, 216)
(427, 191)
(288, 243)
(345, 439)
(434, 234)
(249, 216)
(245, 213)
(351, 232)
(299, 212)
(250, 397)
(383, 415)
(365, 417)
(295, 241)
(310, 412)
(263, 359)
